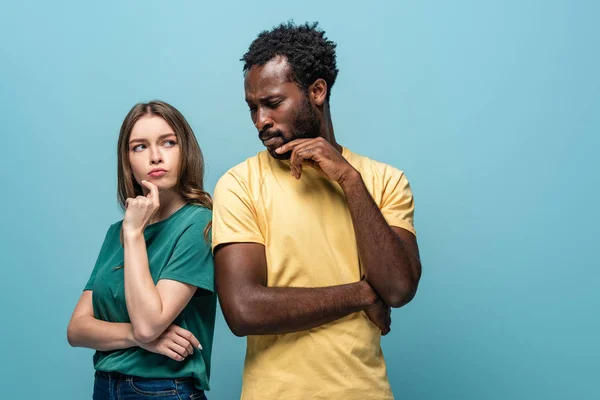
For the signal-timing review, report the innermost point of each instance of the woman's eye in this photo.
(139, 147)
(170, 143)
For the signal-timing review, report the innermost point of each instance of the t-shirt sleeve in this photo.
(234, 216)
(397, 204)
(192, 261)
(101, 256)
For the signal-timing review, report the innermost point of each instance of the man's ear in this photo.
(317, 92)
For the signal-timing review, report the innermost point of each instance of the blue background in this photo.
(490, 107)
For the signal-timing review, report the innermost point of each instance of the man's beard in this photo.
(306, 125)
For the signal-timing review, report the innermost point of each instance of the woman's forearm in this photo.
(92, 333)
(144, 303)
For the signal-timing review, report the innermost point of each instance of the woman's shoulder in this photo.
(115, 227)
(197, 215)
(194, 221)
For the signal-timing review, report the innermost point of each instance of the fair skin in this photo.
(154, 155)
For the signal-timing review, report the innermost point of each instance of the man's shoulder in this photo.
(244, 173)
(255, 162)
(369, 166)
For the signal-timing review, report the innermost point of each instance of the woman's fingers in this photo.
(180, 350)
(172, 355)
(186, 335)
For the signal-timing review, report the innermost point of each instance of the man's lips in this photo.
(270, 141)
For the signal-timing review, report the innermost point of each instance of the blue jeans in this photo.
(115, 386)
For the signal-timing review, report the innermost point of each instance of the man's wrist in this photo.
(368, 295)
(350, 179)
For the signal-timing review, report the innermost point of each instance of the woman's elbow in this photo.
(72, 335)
(144, 333)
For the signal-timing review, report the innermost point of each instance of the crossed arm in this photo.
(389, 255)
(85, 330)
(252, 308)
(152, 308)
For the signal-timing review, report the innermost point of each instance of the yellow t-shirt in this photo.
(306, 228)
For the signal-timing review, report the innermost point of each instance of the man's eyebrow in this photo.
(269, 97)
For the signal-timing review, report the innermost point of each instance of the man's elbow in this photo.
(239, 318)
(403, 290)
(401, 295)
(239, 328)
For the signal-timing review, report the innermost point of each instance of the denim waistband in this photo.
(120, 376)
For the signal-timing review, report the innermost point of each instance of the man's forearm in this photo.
(277, 310)
(391, 268)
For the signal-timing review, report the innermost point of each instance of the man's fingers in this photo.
(295, 160)
(302, 153)
(388, 320)
(298, 171)
(295, 146)
(295, 166)
(291, 145)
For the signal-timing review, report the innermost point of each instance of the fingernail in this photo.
(278, 150)
(200, 346)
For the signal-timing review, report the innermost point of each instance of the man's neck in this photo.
(327, 129)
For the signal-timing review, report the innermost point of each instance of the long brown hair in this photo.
(190, 183)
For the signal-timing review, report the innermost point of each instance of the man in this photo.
(312, 242)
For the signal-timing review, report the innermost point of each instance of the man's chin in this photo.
(277, 156)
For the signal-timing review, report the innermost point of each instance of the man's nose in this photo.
(263, 120)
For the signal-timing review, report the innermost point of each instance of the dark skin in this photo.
(252, 308)
(389, 254)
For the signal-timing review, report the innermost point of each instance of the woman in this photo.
(149, 305)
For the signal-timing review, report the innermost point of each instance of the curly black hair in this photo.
(309, 53)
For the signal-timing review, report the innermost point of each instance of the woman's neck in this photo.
(170, 202)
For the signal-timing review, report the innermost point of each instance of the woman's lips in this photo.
(157, 173)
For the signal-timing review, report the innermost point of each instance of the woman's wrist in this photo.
(132, 234)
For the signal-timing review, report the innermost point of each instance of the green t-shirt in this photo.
(178, 251)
